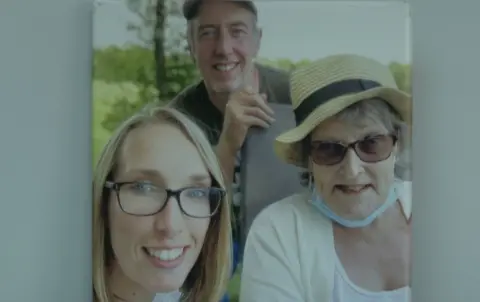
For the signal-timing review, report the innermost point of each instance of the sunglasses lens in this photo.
(372, 149)
(327, 153)
(375, 148)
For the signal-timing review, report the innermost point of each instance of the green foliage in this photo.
(160, 68)
(104, 96)
(135, 65)
(130, 71)
(233, 289)
(284, 64)
(125, 81)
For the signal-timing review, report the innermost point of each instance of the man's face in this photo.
(224, 42)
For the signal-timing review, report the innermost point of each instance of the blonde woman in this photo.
(161, 218)
(348, 237)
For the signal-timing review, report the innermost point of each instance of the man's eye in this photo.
(207, 33)
(237, 32)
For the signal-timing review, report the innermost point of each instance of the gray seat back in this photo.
(265, 179)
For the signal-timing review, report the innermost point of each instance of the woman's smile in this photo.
(352, 189)
(166, 258)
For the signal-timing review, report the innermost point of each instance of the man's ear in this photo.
(191, 49)
(190, 44)
(259, 35)
(258, 40)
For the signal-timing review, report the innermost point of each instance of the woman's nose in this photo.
(352, 165)
(170, 220)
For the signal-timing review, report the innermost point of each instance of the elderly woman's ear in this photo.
(305, 178)
(310, 165)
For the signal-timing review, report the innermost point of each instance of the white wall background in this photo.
(45, 154)
(45, 157)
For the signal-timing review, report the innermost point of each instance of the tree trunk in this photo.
(159, 48)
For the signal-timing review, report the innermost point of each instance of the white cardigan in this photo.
(281, 263)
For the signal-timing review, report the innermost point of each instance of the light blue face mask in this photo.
(320, 204)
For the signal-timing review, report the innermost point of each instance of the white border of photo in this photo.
(45, 162)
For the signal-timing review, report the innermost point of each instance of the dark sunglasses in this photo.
(371, 149)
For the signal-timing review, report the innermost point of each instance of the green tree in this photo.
(132, 63)
(165, 67)
(401, 72)
(285, 64)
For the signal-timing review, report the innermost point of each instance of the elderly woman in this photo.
(161, 219)
(347, 238)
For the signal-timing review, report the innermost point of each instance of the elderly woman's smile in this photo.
(352, 189)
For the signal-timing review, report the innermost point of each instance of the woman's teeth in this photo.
(352, 189)
(166, 254)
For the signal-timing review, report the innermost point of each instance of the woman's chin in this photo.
(167, 288)
(164, 285)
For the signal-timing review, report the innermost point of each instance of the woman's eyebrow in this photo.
(327, 139)
(144, 173)
(157, 177)
(366, 134)
(372, 134)
(200, 178)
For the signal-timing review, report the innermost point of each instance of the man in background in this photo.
(235, 92)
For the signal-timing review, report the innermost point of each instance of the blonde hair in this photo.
(207, 281)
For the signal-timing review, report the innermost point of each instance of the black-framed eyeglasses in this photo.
(371, 149)
(146, 199)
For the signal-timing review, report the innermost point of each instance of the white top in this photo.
(280, 262)
(168, 297)
(344, 290)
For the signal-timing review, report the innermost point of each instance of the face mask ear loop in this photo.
(310, 182)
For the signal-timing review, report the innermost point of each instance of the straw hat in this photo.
(328, 86)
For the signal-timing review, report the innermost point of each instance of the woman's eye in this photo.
(375, 140)
(371, 141)
(327, 147)
(196, 193)
(142, 187)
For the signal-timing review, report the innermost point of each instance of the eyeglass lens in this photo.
(147, 199)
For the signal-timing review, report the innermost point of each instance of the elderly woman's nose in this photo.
(352, 165)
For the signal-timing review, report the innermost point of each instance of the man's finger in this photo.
(260, 101)
(259, 113)
(254, 100)
(249, 90)
(252, 120)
